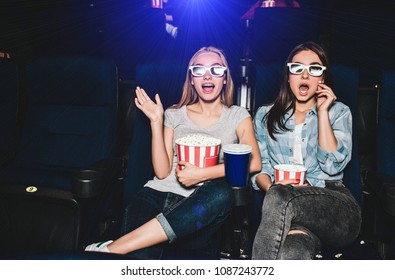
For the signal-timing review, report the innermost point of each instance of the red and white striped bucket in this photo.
(157, 4)
(290, 171)
(268, 4)
(201, 156)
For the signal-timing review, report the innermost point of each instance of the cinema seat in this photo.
(56, 191)
(168, 77)
(381, 180)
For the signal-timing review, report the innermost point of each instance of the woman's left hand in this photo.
(325, 97)
(189, 175)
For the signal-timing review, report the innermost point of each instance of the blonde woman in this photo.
(189, 203)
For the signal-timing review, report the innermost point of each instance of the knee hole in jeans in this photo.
(297, 231)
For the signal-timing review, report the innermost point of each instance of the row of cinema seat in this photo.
(59, 129)
(64, 179)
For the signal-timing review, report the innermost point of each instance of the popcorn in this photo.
(198, 149)
(198, 140)
(290, 167)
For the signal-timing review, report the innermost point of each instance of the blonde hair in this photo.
(189, 94)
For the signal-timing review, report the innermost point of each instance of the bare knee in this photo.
(297, 231)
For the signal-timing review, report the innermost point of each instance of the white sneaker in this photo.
(99, 247)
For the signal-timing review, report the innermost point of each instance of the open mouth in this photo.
(303, 89)
(207, 87)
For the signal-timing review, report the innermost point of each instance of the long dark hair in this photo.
(285, 100)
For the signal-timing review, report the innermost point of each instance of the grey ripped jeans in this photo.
(328, 215)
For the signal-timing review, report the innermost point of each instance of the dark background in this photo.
(354, 32)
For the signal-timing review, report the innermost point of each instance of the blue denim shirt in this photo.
(321, 165)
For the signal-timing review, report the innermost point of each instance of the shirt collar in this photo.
(313, 110)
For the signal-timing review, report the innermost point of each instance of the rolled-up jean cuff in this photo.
(166, 227)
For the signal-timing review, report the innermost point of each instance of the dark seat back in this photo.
(267, 85)
(386, 122)
(380, 180)
(345, 86)
(168, 77)
(380, 196)
(9, 95)
(165, 78)
(71, 112)
(139, 169)
(70, 120)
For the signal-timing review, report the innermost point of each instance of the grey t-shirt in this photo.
(178, 120)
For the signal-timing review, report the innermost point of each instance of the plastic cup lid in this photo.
(237, 148)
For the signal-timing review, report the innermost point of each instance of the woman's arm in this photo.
(246, 135)
(326, 138)
(262, 180)
(162, 151)
(162, 138)
(334, 132)
(191, 175)
(341, 124)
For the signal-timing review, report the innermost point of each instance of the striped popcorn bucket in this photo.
(290, 171)
(268, 4)
(156, 4)
(201, 156)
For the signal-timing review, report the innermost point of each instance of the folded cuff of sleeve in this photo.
(336, 157)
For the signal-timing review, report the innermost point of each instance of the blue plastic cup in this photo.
(237, 164)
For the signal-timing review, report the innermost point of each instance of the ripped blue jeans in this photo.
(192, 221)
(328, 215)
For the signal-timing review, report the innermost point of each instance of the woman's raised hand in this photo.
(154, 111)
(325, 97)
